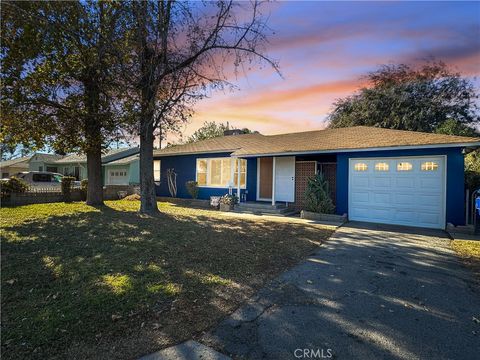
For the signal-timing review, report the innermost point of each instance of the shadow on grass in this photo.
(114, 283)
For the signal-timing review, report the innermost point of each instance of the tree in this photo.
(453, 127)
(403, 97)
(211, 130)
(59, 79)
(317, 195)
(177, 51)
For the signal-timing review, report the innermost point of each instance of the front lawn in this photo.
(85, 282)
(469, 250)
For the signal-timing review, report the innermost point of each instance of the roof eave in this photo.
(380, 148)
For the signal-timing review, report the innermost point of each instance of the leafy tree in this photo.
(59, 79)
(408, 98)
(453, 127)
(211, 130)
(177, 52)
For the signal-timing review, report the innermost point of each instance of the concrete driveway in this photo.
(371, 292)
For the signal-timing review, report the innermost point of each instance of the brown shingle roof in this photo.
(351, 138)
(218, 144)
(19, 162)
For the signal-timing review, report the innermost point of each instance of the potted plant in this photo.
(227, 202)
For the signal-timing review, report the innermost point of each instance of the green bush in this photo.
(67, 188)
(13, 185)
(192, 188)
(229, 199)
(84, 188)
(317, 195)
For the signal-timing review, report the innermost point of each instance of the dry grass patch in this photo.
(469, 250)
(84, 282)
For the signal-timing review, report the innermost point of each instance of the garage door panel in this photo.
(360, 196)
(382, 181)
(429, 218)
(359, 212)
(381, 213)
(360, 181)
(405, 195)
(405, 182)
(404, 199)
(430, 183)
(381, 198)
(405, 216)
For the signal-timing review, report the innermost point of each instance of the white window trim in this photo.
(159, 179)
(232, 170)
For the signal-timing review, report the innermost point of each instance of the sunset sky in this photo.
(324, 47)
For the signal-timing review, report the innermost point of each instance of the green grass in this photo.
(85, 282)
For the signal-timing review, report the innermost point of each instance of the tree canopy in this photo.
(60, 79)
(424, 98)
(211, 129)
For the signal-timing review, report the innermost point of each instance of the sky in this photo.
(323, 49)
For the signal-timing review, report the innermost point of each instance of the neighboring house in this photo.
(376, 175)
(76, 165)
(123, 171)
(43, 162)
(12, 167)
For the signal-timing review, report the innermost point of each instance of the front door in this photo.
(265, 172)
(285, 179)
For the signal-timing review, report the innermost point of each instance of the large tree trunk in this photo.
(93, 139)
(147, 186)
(95, 183)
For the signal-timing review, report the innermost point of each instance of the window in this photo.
(52, 169)
(157, 170)
(221, 172)
(40, 168)
(42, 178)
(404, 166)
(202, 172)
(243, 173)
(381, 166)
(361, 167)
(429, 166)
(4, 175)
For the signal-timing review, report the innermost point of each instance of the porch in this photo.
(282, 181)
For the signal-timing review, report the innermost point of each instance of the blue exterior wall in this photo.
(185, 167)
(455, 211)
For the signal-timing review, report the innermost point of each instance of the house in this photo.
(43, 162)
(375, 175)
(116, 170)
(14, 166)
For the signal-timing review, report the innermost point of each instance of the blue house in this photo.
(375, 175)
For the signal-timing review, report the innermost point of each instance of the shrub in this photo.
(229, 199)
(13, 185)
(67, 188)
(192, 188)
(317, 196)
(84, 188)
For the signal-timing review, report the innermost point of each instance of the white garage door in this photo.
(403, 191)
(118, 177)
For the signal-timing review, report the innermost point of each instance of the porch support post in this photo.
(238, 179)
(273, 180)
